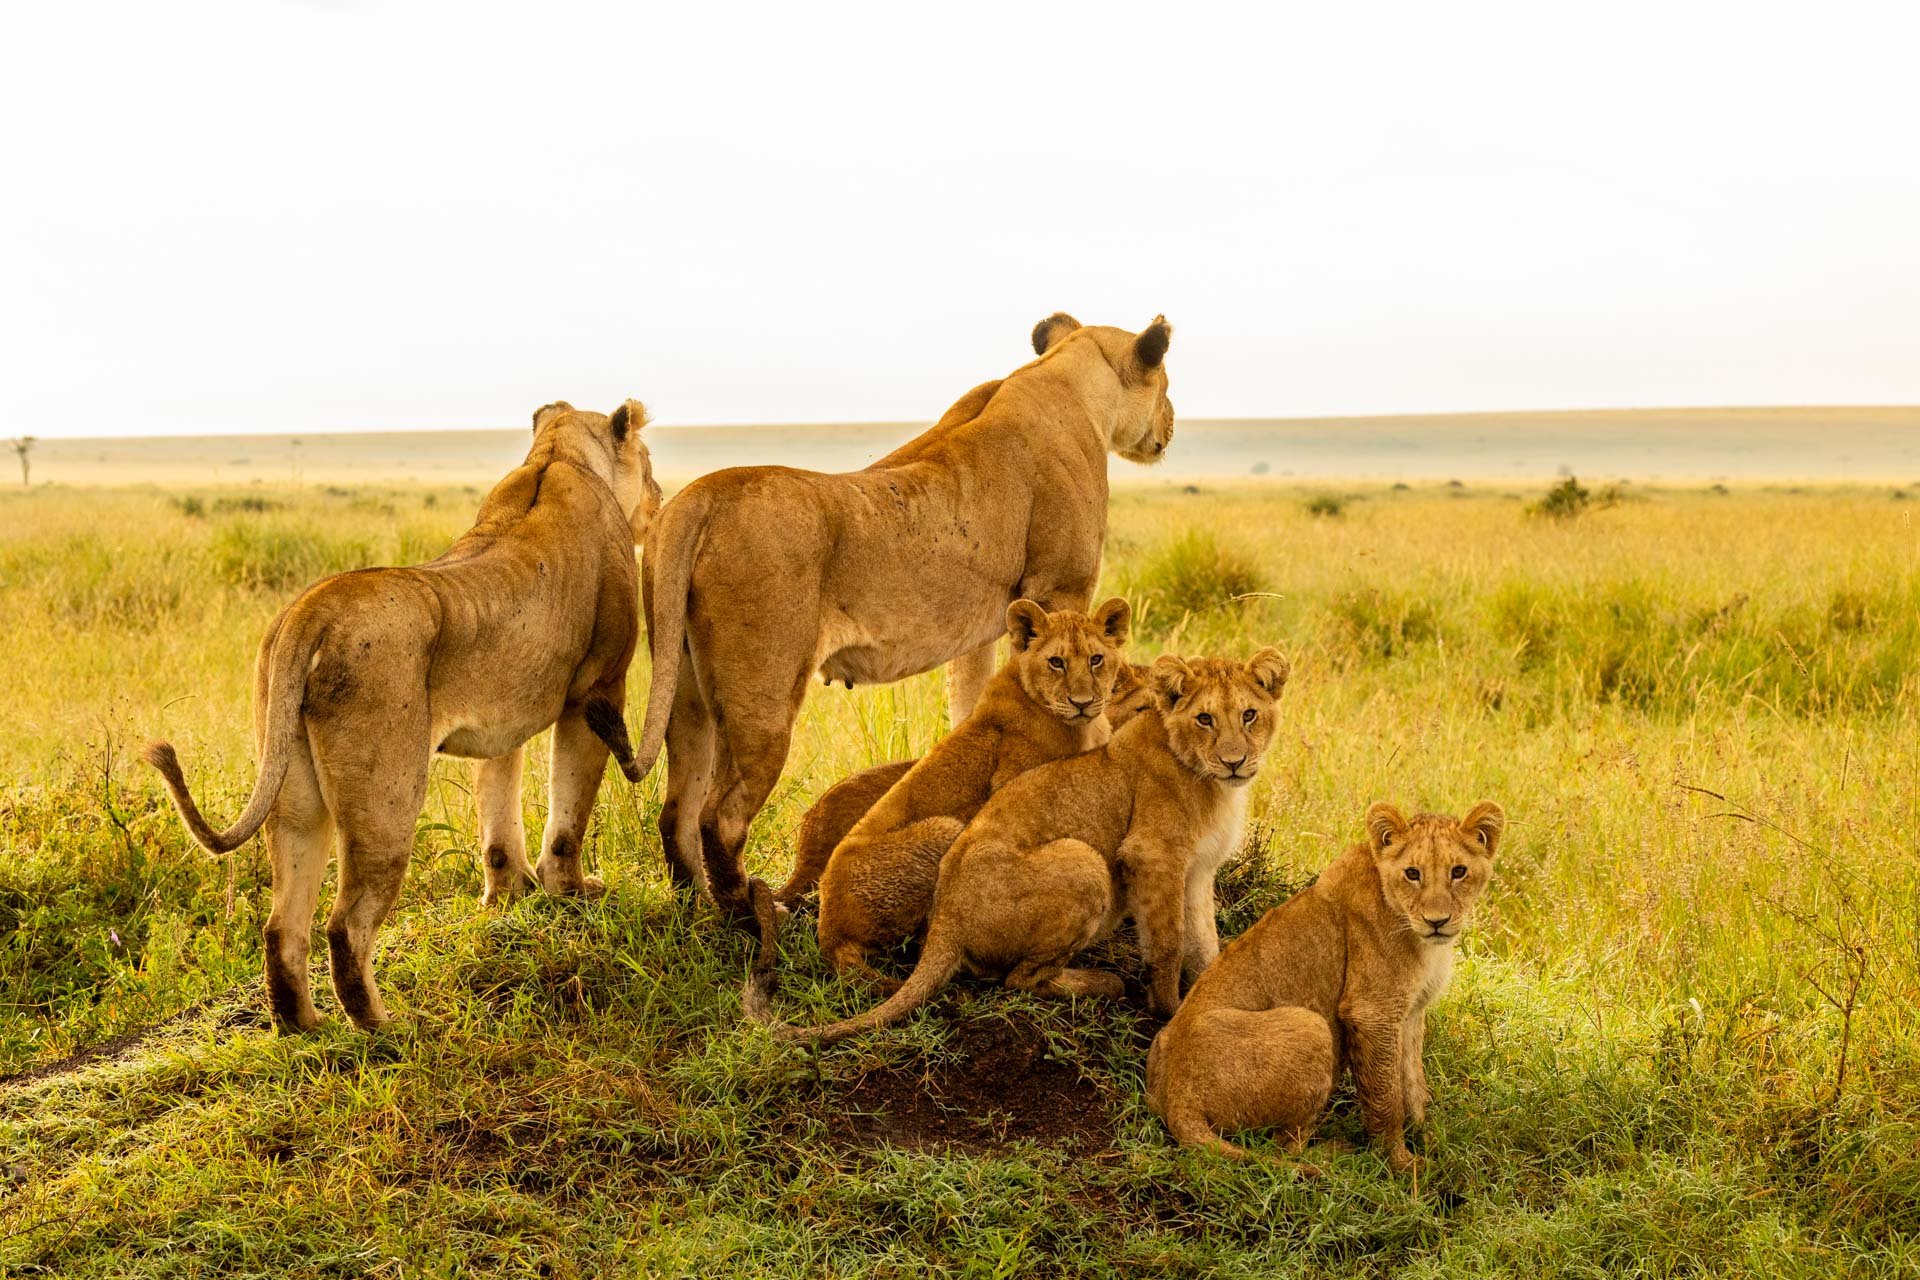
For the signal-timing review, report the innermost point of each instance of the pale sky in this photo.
(349, 214)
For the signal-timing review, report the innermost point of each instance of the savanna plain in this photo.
(1681, 1038)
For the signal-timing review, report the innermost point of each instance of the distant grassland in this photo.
(1681, 1041)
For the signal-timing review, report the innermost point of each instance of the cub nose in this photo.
(1440, 923)
(1233, 766)
(1079, 704)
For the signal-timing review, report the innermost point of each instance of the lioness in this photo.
(1047, 702)
(1134, 828)
(527, 621)
(1339, 977)
(756, 577)
(841, 806)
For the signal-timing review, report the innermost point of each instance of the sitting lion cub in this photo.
(1339, 977)
(1047, 702)
(1134, 828)
(841, 806)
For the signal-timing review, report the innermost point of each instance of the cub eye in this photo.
(1413, 874)
(1459, 871)
(1246, 717)
(1057, 664)
(1205, 720)
(1096, 659)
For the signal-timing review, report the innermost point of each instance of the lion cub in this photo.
(1134, 828)
(1047, 702)
(1337, 978)
(842, 805)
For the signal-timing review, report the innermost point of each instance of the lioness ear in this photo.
(1269, 670)
(1170, 678)
(1051, 330)
(1385, 826)
(1485, 822)
(1115, 618)
(630, 416)
(547, 411)
(1150, 348)
(1026, 622)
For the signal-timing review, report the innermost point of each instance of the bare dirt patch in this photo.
(999, 1086)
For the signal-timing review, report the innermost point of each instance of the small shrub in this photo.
(1570, 498)
(1380, 624)
(1326, 505)
(265, 556)
(1191, 574)
(245, 502)
(190, 506)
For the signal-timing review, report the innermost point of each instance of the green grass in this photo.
(1680, 1041)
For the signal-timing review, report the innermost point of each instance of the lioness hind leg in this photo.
(503, 831)
(690, 760)
(298, 833)
(375, 801)
(579, 761)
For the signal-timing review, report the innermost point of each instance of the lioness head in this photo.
(1067, 661)
(609, 445)
(1434, 868)
(1219, 713)
(1143, 427)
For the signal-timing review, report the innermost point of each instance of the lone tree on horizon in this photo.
(23, 445)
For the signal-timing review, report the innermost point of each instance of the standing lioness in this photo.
(527, 621)
(757, 577)
(1338, 977)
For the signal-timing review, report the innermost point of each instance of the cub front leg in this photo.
(1379, 1078)
(1155, 886)
(1413, 1039)
(1202, 946)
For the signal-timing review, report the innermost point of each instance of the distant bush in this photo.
(1382, 624)
(1326, 505)
(1570, 498)
(190, 506)
(1192, 574)
(245, 502)
(267, 556)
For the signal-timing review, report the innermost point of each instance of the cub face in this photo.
(1132, 694)
(1220, 714)
(1066, 661)
(1433, 868)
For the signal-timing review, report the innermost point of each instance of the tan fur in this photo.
(1337, 978)
(755, 578)
(879, 882)
(841, 806)
(1065, 851)
(529, 620)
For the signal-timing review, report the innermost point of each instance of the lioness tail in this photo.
(608, 725)
(675, 536)
(286, 691)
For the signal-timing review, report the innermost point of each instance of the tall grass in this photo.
(1680, 1041)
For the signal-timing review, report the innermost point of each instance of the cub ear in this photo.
(630, 416)
(1150, 348)
(1026, 622)
(547, 412)
(1269, 670)
(1115, 618)
(1051, 330)
(1171, 678)
(1386, 826)
(1485, 823)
